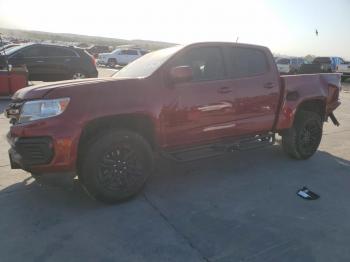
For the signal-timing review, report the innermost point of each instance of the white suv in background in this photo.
(120, 56)
(289, 65)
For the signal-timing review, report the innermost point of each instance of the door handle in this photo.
(224, 90)
(269, 85)
(39, 61)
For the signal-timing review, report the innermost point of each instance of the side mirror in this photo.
(181, 74)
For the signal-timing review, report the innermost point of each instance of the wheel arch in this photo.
(291, 109)
(139, 123)
(317, 106)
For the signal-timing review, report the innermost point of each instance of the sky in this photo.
(286, 27)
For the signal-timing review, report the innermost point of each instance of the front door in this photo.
(35, 60)
(199, 111)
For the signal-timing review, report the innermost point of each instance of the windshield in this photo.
(14, 49)
(147, 64)
(283, 61)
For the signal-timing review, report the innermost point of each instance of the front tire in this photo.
(116, 166)
(301, 141)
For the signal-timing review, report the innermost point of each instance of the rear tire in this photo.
(79, 75)
(116, 165)
(301, 141)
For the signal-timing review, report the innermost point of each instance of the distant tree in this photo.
(309, 58)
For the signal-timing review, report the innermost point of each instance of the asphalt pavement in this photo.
(240, 207)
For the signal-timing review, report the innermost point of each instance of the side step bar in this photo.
(217, 149)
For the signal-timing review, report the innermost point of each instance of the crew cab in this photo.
(344, 69)
(120, 56)
(183, 103)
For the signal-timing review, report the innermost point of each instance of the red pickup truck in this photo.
(184, 103)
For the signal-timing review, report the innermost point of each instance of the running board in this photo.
(217, 149)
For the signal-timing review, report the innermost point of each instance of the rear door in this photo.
(201, 110)
(255, 87)
(61, 62)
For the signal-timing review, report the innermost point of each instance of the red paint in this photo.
(183, 114)
(10, 82)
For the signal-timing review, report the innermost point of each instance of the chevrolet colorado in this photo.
(184, 103)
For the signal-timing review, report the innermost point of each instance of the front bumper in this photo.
(44, 146)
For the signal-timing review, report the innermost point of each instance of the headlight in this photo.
(39, 109)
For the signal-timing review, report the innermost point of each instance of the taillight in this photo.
(93, 60)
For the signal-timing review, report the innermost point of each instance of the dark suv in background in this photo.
(46, 62)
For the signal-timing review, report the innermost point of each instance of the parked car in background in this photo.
(98, 49)
(46, 62)
(120, 56)
(326, 64)
(3, 43)
(344, 69)
(289, 65)
(184, 103)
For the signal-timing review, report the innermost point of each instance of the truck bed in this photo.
(297, 89)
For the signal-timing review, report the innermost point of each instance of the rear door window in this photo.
(246, 62)
(206, 62)
(129, 52)
(53, 51)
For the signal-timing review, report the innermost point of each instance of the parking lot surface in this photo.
(241, 207)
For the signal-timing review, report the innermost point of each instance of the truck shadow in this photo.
(265, 164)
(213, 202)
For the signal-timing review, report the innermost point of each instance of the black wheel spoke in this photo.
(119, 168)
(310, 137)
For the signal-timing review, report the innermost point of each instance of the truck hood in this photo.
(41, 90)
